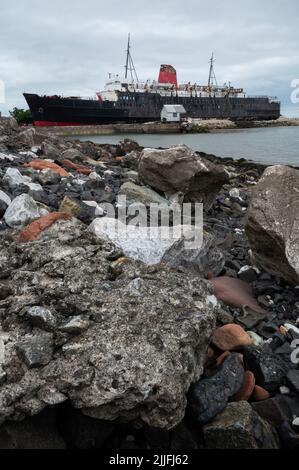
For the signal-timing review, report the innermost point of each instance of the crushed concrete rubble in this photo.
(118, 339)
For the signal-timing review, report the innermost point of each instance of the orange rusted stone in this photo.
(33, 231)
(44, 165)
(231, 337)
(260, 394)
(79, 168)
(247, 389)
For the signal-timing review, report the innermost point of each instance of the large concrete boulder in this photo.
(117, 339)
(273, 223)
(179, 169)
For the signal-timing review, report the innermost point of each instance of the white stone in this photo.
(136, 242)
(184, 246)
(235, 193)
(43, 212)
(296, 422)
(257, 340)
(3, 338)
(244, 269)
(212, 300)
(284, 390)
(109, 173)
(14, 178)
(5, 198)
(10, 158)
(35, 149)
(21, 212)
(99, 211)
(289, 326)
(94, 176)
(28, 154)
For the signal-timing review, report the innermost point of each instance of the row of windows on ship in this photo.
(173, 95)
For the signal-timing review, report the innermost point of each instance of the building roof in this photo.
(174, 108)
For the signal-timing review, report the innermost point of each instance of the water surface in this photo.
(278, 145)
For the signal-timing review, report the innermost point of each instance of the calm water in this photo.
(272, 146)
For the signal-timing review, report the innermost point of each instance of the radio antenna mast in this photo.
(130, 67)
(212, 75)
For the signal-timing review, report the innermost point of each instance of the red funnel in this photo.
(168, 75)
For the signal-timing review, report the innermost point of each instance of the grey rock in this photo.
(41, 317)
(14, 179)
(200, 260)
(72, 154)
(50, 151)
(3, 208)
(5, 198)
(180, 169)
(75, 325)
(50, 396)
(274, 410)
(132, 159)
(209, 397)
(239, 427)
(131, 176)
(2, 376)
(26, 137)
(140, 354)
(36, 351)
(269, 368)
(36, 433)
(141, 195)
(273, 223)
(248, 274)
(293, 380)
(225, 318)
(21, 212)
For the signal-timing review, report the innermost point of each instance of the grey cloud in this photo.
(69, 47)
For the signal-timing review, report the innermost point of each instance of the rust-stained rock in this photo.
(34, 230)
(79, 168)
(231, 337)
(45, 165)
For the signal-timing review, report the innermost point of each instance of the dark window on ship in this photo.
(175, 114)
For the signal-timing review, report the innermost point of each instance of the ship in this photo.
(130, 100)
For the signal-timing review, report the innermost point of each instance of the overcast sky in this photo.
(69, 46)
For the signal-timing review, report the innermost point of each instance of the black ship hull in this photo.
(145, 107)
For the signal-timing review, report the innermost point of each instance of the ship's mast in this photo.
(130, 67)
(212, 75)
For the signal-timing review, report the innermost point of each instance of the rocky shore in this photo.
(193, 126)
(120, 342)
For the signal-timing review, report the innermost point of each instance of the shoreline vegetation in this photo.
(194, 127)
